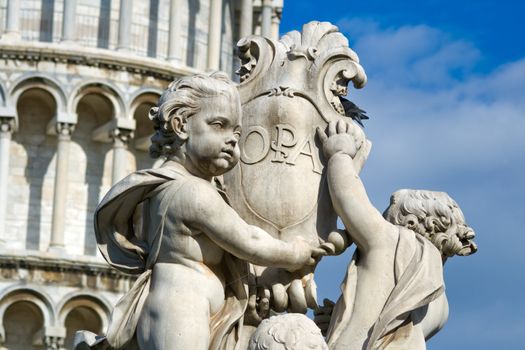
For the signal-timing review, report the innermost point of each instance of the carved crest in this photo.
(289, 88)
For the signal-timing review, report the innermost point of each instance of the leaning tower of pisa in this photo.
(77, 79)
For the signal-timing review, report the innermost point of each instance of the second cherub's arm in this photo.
(366, 226)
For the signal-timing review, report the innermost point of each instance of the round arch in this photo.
(27, 294)
(144, 95)
(106, 89)
(89, 300)
(39, 81)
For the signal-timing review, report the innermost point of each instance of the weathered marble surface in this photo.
(172, 227)
(288, 88)
(211, 274)
(287, 332)
(393, 295)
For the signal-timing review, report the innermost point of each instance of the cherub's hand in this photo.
(323, 314)
(342, 136)
(305, 253)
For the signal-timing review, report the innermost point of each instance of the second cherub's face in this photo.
(213, 134)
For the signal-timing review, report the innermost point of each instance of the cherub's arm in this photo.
(208, 212)
(366, 226)
(374, 236)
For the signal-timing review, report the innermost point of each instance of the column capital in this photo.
(121, 135)
(61, 120)
(54, 338)
(53, 343)
(115, 127)
(65, 129)
(7, 124)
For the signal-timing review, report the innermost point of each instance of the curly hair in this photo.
(287, 332)
(431, 214)
(183, 98)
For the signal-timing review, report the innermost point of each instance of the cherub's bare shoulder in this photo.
(197, 196)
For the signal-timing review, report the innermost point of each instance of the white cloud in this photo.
(417, 55)
(440, 122)
(427, 119)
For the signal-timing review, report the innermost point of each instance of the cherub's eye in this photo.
(217, 125)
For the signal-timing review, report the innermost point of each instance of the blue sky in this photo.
(446, 98)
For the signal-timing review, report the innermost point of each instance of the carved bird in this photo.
(354, 112)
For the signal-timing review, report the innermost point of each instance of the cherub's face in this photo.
(465, 235)
(213, 134)
(457, 240)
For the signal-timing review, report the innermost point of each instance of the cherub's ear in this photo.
(178, 124)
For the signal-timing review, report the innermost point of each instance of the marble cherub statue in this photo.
(393, 294)
(175, 229)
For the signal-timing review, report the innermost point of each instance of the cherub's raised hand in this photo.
(341, 136)
(323, 315)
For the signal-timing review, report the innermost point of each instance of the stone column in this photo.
(124, 25)
(121, 139)
(68, 20)
(246, 18)
(214, 34)
(64, 131)
(13, 18)
(175, 33)
(6, 129)
(276, 23)
(266, 21)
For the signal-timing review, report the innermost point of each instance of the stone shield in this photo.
(288, 89)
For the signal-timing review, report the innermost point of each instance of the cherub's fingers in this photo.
(359, 133)
(328, 303)
(329, 248)
(322, 135)
(296, 297)
(362, 155)
(279, 297)
(341, 126)
(264, 302)
(332, 128)
(349, 128)
(322, 319)
(320, 251)
(318, 311)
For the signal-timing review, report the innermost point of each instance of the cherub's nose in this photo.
(231, 140)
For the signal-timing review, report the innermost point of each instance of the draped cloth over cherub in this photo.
(418, 281)
(129, 230)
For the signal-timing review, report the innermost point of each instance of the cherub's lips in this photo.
(227, 153)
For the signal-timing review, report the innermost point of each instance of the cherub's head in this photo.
(287, 332)
(434, 215)
(197, 121)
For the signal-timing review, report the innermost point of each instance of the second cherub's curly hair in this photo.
(183, 97)
(429, 213)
